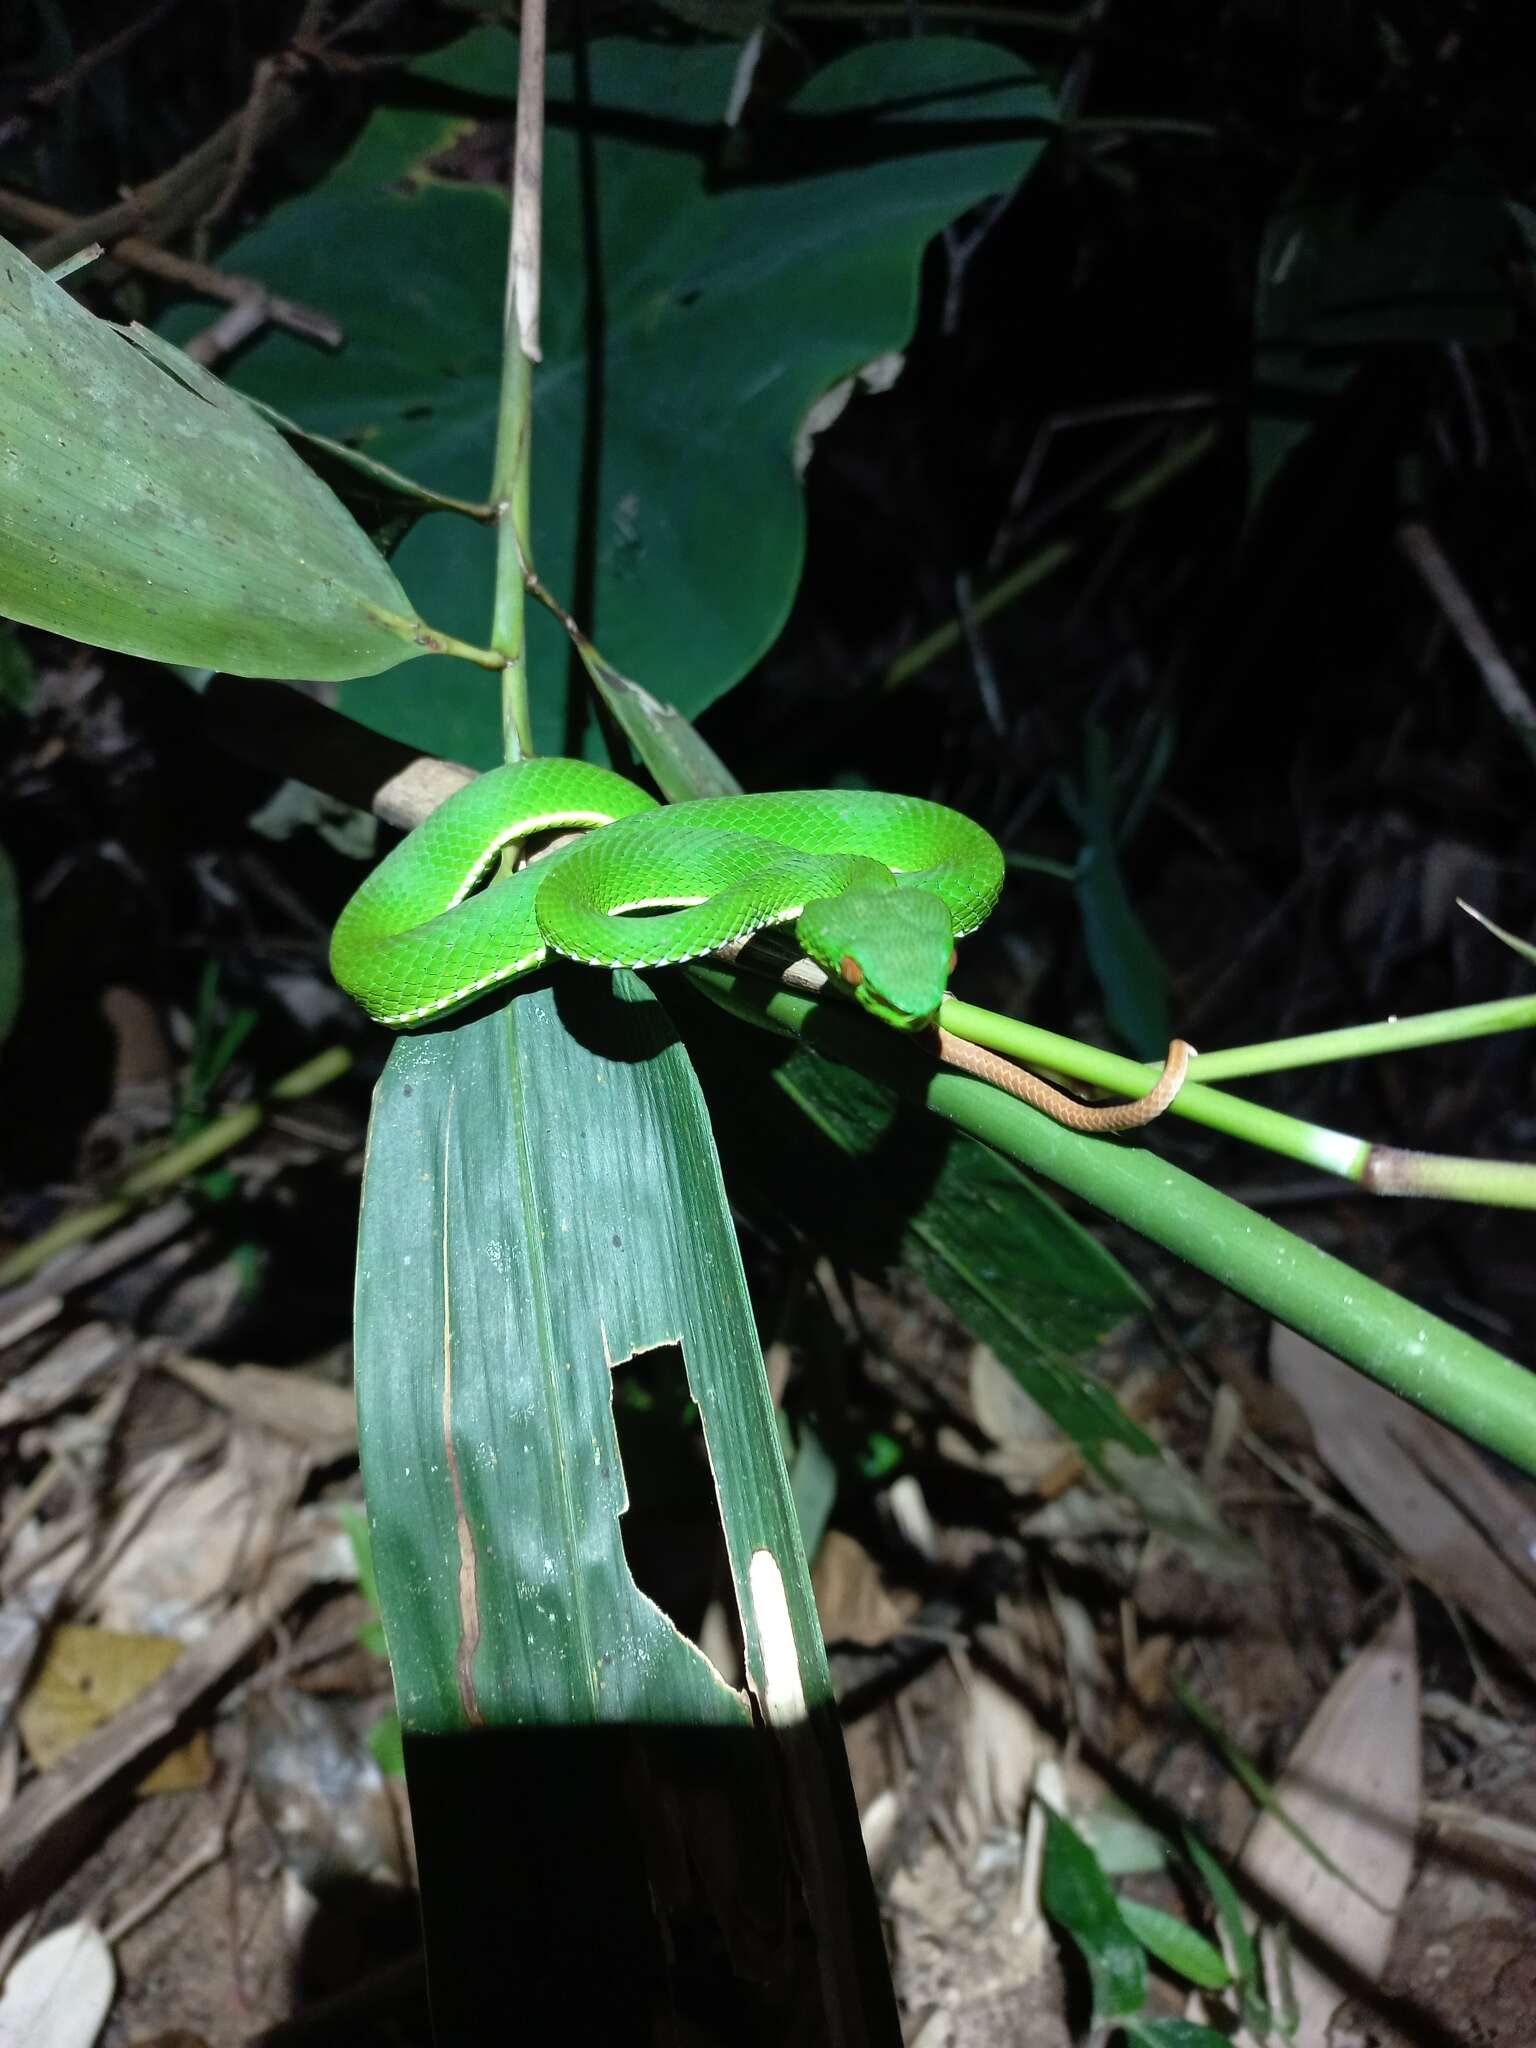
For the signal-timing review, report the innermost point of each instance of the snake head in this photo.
(893, 947)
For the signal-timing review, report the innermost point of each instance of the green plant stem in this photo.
(511, 486)
(1358, 1041)
(177, 1163)
(1288, 1136)
(1440, 1369)
(1047, 560)
(431, 641)
(1382, 1169)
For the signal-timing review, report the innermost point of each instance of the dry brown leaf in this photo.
(1002, 1744)
(1438, 1501)
(1352, 1785)
(312, 1413)
(87, 1675)
(208, 1541)
(851, 1596)
(63, 1373)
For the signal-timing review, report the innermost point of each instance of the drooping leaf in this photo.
(146, 507)
(542, 1204)
(666, 512)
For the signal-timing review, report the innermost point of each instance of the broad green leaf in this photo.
(542, 1204)
(1174, 1942)
(725, 297)
(147, 508)
(1076, 1895)
(10, 946)
(1343, 273)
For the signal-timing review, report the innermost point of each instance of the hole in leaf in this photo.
(673, 1542)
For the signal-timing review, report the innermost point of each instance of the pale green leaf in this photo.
(1174, 1942)
(147, 508)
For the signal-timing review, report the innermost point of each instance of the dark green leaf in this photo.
(1127, 966)
(1076, 1895)
(728, 308)
(542, 1204)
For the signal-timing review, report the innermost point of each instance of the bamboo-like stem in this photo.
(1439, 1368)
(511, 481)
(168, 1168)
(1357, 1041)
(1383, 1169)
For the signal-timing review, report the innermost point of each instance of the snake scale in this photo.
(878, 888)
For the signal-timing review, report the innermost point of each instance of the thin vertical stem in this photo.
(514, 423)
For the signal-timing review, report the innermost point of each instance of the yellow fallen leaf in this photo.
(89, 1674)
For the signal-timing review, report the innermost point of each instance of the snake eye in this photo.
(953, 961)
(850, 970)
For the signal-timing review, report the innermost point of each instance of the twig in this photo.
(202, 1858)
(27, 1307)
(172, 201)
(149, 257)
(169, 1168)
(221, 337)
(1047, 560)
(1471, 629)
(182, 194)
(511, 482)
(52, 90)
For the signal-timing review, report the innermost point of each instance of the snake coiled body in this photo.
(879, 886)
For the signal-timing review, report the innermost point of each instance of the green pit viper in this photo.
(878, 888)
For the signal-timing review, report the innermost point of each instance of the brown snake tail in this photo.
(1015, 1080)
